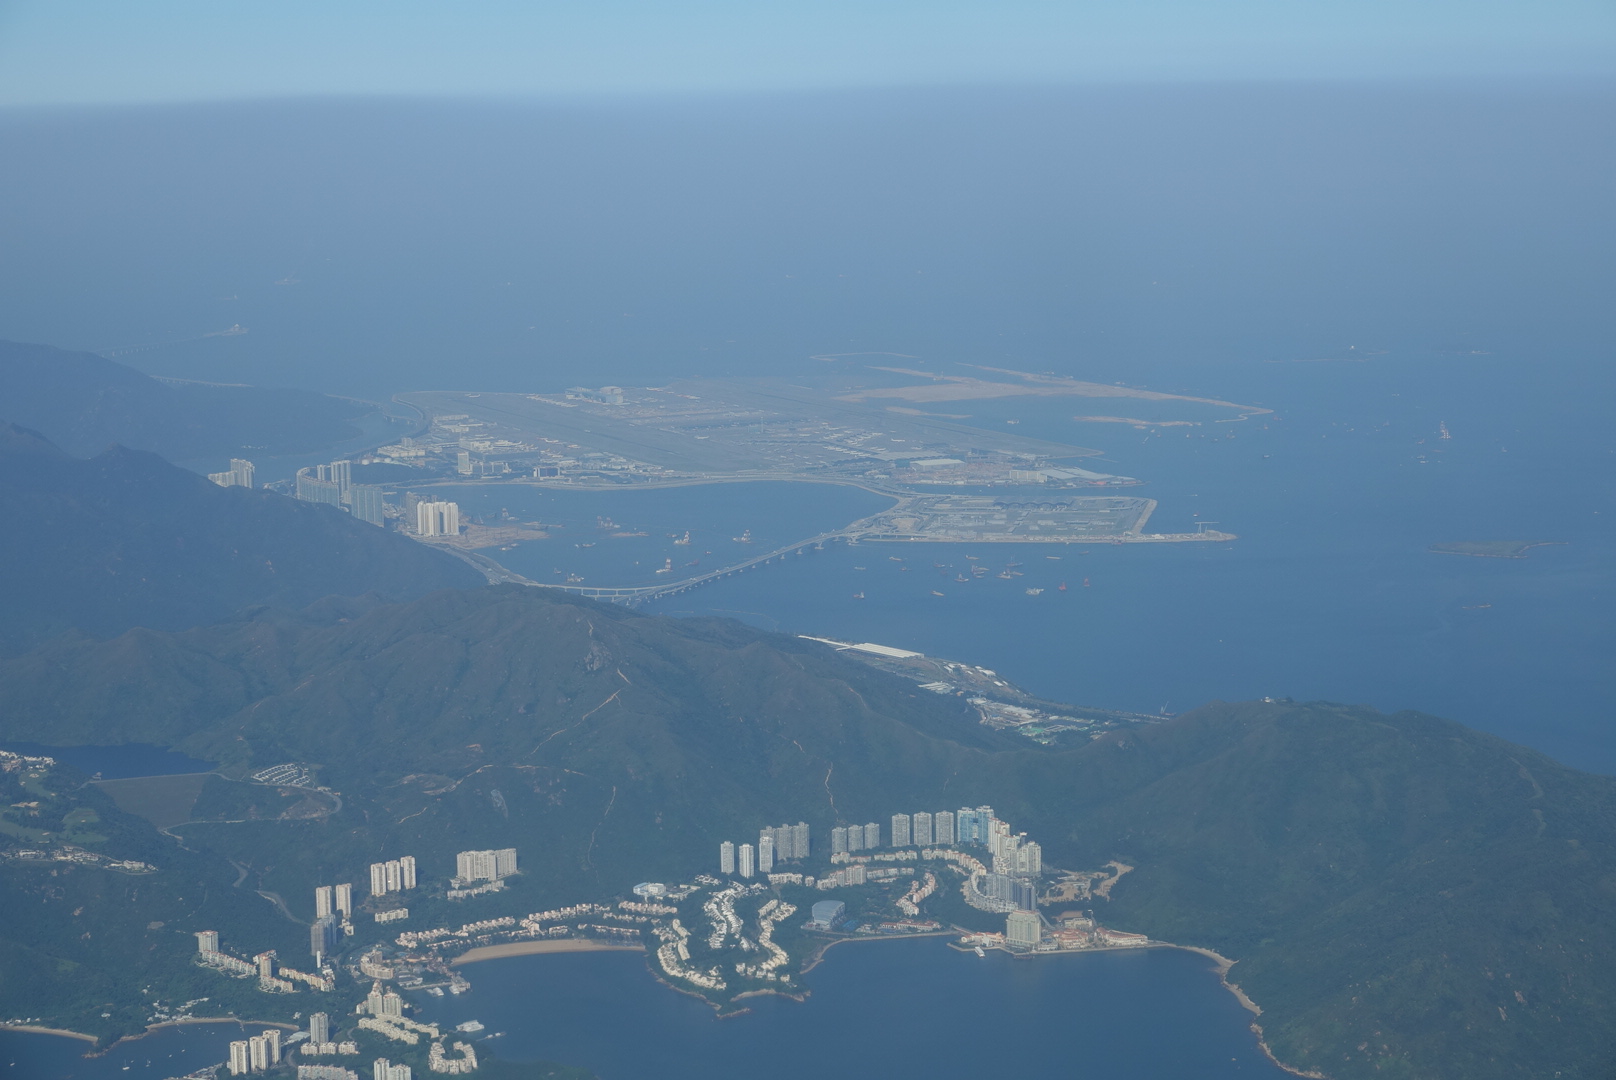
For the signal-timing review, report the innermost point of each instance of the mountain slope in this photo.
(126, 539)
(85, 403)
(1387, 884)
(1405, 897)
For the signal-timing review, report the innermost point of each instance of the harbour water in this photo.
(167, 1052)
(1237, 253)
(877, 1009)
(659, 535)
(1331, 591)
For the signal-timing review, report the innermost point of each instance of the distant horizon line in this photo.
(1485, 82)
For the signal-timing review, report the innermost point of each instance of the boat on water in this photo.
(1034, 592)
(1085, 583)
(1007, 575)
(858, 567)
(858, 596)
(934, 592)
(1062, 587)
(961, 578)
(744, 538)
(980, 951)
(684, 540)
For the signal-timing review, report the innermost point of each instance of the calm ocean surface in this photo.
(376, 248)
(877, 1010)
(1330, 592)
(172, 1051)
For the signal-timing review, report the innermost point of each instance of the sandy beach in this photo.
(35, 1029)
(530, 948)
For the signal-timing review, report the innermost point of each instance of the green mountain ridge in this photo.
(1387, 885)
(126, 539)
(85, 403)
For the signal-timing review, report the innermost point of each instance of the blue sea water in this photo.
(172, 1051)
(1368, 262)
(630, 537)
(876, 1010)
(1330, 591)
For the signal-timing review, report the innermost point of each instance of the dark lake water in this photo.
(877, 1010)
(116, 762)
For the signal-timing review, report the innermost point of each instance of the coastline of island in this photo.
(535, 948)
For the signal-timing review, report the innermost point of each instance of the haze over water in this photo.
(1441, 247)
(1442, 252)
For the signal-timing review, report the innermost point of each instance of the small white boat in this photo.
(980, 951)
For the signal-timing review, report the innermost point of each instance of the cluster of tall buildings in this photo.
(922, 829)
(336, 899)
(492, 865)
(319, 1041)
(1023, 928)
(383, 1069)
(333, 916)
(257, 1054)
(1020, 892)
(437, 519)
(333, 484)
(394, 875)
(240, 474)
(383, 1002)
(855, 838)
(776, 844)
(1012, 855)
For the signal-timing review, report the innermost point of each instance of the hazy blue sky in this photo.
(57, 51)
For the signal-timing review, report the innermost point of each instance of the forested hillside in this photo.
(126, 539)
(86, 403)
(1352, 863)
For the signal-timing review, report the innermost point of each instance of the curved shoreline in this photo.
(537, 948)
(151, 1029)
(35, 1029)
(1224, 964)
(814, 958)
